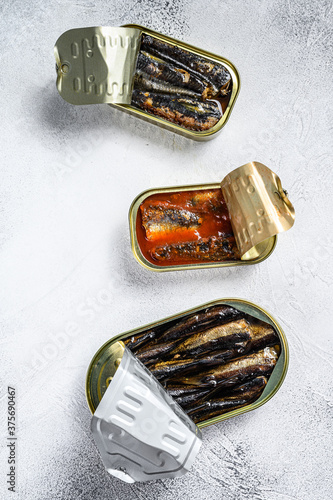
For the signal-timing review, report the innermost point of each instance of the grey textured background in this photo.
(69, 281)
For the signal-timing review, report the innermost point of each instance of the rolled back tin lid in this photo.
(258, 206)
(96, 65)
(141, 432)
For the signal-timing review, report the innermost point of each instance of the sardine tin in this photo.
(258, 206)
(115, 80)
(102, 368)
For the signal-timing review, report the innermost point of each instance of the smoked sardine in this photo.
(158, 71)
(233, 372)
(158, 220)
(216, 74)
(200, 321)
(244, 395)
(234, 335)
(190, 113)
(213, 249)
(169, 368)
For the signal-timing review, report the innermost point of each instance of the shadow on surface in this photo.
(136, 276)
(67, 122)
(84, 476)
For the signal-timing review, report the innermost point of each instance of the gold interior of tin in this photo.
(257, 254)
(102, 364)
(97, 65)
(258, 206)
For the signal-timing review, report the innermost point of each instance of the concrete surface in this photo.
(69, 281)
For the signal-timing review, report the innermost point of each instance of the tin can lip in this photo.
(276, 379)
(267, 247)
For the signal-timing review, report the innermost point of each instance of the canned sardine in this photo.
(153, 76)
(211, 225)
(217, 361)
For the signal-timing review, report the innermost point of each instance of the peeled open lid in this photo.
(96, 65)
(140, 431)
(258, 206)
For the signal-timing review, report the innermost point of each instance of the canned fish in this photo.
(165, 81)
(212, 225)
(218, 360)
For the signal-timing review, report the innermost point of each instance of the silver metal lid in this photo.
(141, 432)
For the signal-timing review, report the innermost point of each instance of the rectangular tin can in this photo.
(258, 208)
(96, 65)
(262, 251)
(101, 369)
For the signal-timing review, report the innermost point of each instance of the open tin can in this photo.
(231, 223)
(150, 75)
(104, 364)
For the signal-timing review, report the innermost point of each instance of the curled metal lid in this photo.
(97, 65)
(258, 206)
(141, 432)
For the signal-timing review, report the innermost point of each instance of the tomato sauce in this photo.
(165, 219)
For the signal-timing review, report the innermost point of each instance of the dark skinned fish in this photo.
(263, 335)
(143, 82)
(154, 351)
(235, 335)
(233, 372)
(213, 249)
(180, 390)
(216, 74)
(159, 220)
(221, 392)
(200, 321)
(136, 341)
(218, 406)
(169, 368)
(189, 113)
(187, 400)
(193, 399)
(157, 71)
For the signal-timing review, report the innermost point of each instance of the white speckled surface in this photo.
(68, 278)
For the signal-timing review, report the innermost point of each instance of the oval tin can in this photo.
(102, 368)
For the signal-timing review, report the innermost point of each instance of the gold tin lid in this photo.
(258, 206)
(97, 65)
